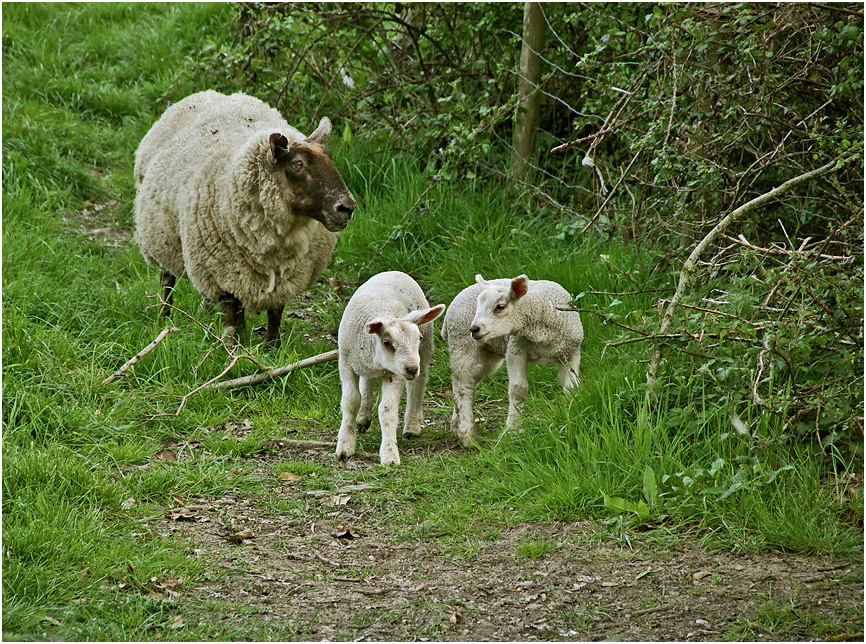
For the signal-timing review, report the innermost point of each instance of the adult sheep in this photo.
(240, 202)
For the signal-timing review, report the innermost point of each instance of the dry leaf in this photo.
(185, 514)
(50, 620)
(128, 503)
(701, 574)
(337, 499)
(455, 618)
(244, 536)
(609, 584)
(345, 532)
(289, 477)
(165, 455)
(175, 622)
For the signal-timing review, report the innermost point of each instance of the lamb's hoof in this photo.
(411, 435)
(468, 440)
(363, 427)
(342, 457)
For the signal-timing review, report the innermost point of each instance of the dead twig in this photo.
(265, 376)
(138, 356)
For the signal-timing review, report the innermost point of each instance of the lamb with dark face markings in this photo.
(386, 335)
(231, 196)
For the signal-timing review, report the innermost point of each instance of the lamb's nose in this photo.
(474, 330)
(411, 372)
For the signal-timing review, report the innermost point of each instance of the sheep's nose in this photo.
(347, 206)
(411, 372)
(474, 331)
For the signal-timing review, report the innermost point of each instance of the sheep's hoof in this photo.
(342, 457)
(468, 440)
(363, 427)
(273, 343)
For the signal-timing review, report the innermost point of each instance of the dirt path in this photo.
(294, 573)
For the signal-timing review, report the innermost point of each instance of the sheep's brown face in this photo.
(317, 188)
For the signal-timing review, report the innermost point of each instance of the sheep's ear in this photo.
(322, 132)
(278, 148)
(374, 326)
(479, 279)
(427, 315)
(519, 286)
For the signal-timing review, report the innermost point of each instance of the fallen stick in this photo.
(265, 376)
(122, 371)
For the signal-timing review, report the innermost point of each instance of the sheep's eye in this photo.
(499, 307)
(298, 164)
(388, 344)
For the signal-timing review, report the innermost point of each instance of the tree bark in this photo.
(526, 118)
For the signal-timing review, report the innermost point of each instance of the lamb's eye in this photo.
(298, 164)
(388, 344)
(499, 307)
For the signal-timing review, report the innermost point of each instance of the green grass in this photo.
(81, 86)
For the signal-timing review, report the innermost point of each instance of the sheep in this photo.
(386, 334)
(518, 320)
(231, 196)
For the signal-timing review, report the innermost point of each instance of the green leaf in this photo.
(650, 488)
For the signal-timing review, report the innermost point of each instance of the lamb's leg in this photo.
(569, 372)
(466, 372)
(233, 315)
(166, 281)
(389, 416)
(463, 418)
(413, 416)
(365, 413)
(349, 403)
(272, 336)
(518, 385)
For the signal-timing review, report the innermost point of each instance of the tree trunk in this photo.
(526, 117)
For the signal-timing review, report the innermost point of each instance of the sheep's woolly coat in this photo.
(208, 206)
(547, 334)
(387, 295)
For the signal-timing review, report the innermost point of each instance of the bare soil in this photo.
(291, 571)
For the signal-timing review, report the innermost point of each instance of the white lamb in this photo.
(518, 320)
(233, 197)
(386, 334)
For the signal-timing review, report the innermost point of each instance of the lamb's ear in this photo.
(426, 315)
(278, 148)
(322, 132)
(374, 326)
(479, 279)
(519, 286)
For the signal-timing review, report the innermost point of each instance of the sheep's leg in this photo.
(463, 418)
(413, 416)
(466, 373)
(569, 372)
(518, 385)
(365, 413)
(166, 281)
(349, 403)
(233, 315)
(272, 336)
(389, 408)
